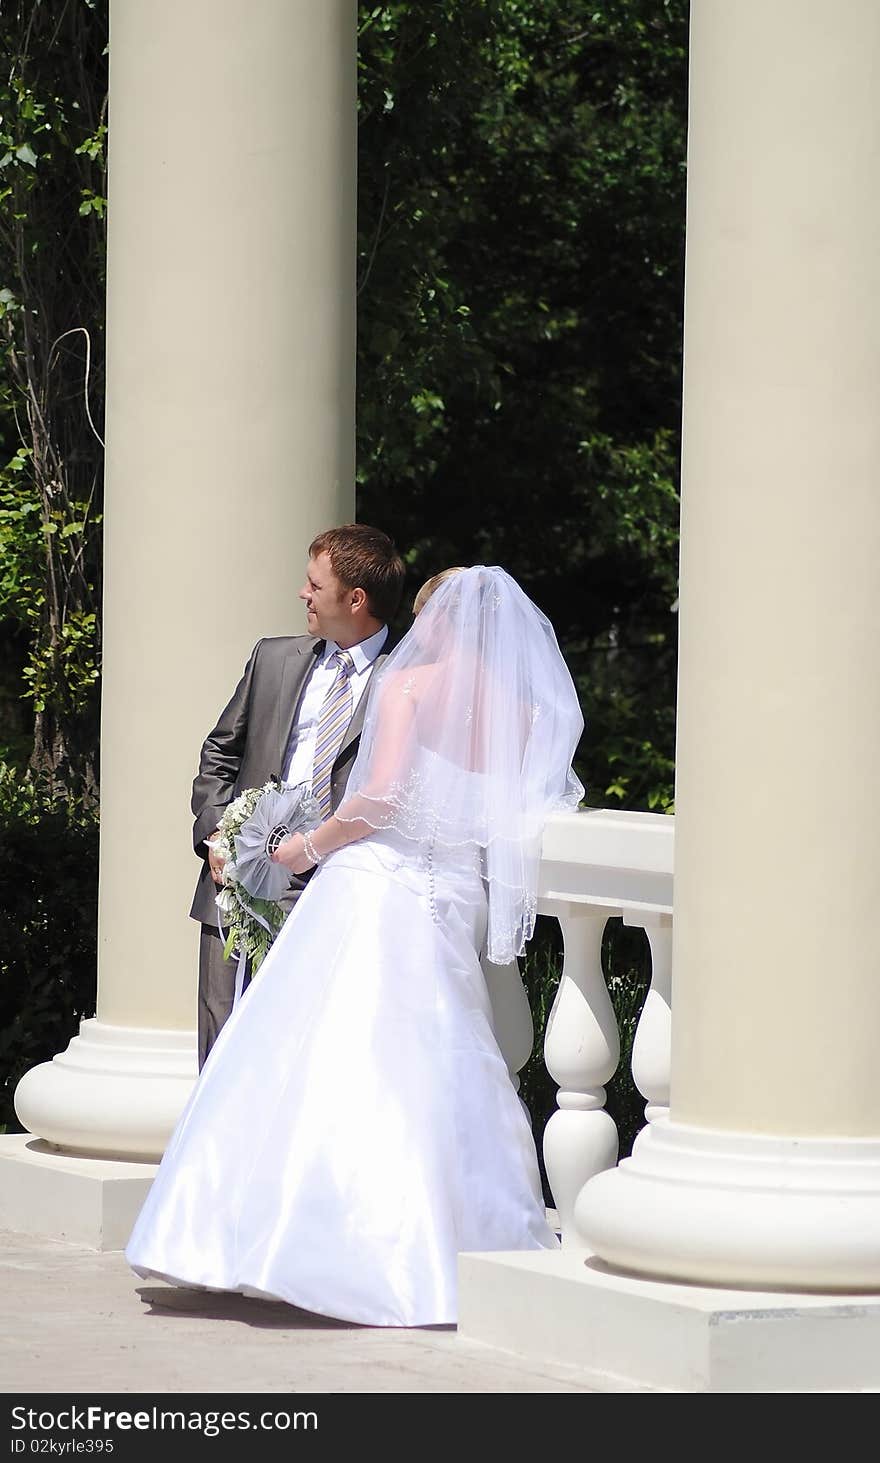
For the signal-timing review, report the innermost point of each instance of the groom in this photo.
(274, 723)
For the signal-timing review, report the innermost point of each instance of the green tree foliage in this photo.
(521, 219)
(53, 91)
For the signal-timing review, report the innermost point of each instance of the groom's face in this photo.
(326, 601)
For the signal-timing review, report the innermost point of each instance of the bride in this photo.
(356, 1126)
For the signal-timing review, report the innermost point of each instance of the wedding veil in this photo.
(468, 740)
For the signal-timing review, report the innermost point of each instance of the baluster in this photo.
(652, 1047)
(581, 1049)
(511, 1015)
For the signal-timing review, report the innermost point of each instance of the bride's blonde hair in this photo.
(431, 584)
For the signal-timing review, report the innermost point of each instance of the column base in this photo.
(623, 1334)
(85, 1201)
(116, 1092)
(740, 1210)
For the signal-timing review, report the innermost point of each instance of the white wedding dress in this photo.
(355, 1127)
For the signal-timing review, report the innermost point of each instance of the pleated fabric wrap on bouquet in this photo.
(249, 910)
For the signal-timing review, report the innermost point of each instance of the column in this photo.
(230, 443)
(767, 1172)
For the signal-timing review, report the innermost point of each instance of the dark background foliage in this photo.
(521, 210)
(48, 918)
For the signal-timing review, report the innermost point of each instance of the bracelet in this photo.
(310, 848)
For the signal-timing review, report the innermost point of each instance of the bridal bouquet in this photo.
(251, 829)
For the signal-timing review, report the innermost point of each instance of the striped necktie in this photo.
(334, 717)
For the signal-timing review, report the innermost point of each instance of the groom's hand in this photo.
(216, 860)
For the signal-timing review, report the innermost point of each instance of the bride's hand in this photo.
(292, 854)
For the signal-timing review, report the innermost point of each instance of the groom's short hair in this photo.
(365, 558)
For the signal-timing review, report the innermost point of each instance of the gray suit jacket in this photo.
(248, 744)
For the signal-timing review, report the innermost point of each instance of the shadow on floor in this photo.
(251, 1311)
(223, 1306)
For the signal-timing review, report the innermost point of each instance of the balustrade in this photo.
(595, 865)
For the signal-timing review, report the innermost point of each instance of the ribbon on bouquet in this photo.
(241, 967)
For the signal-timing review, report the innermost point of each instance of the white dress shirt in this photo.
(300, 756)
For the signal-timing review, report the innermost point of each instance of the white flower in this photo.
(226, 902)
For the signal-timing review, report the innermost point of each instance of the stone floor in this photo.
(74, 1320)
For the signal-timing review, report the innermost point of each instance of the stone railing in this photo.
(596, 865)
